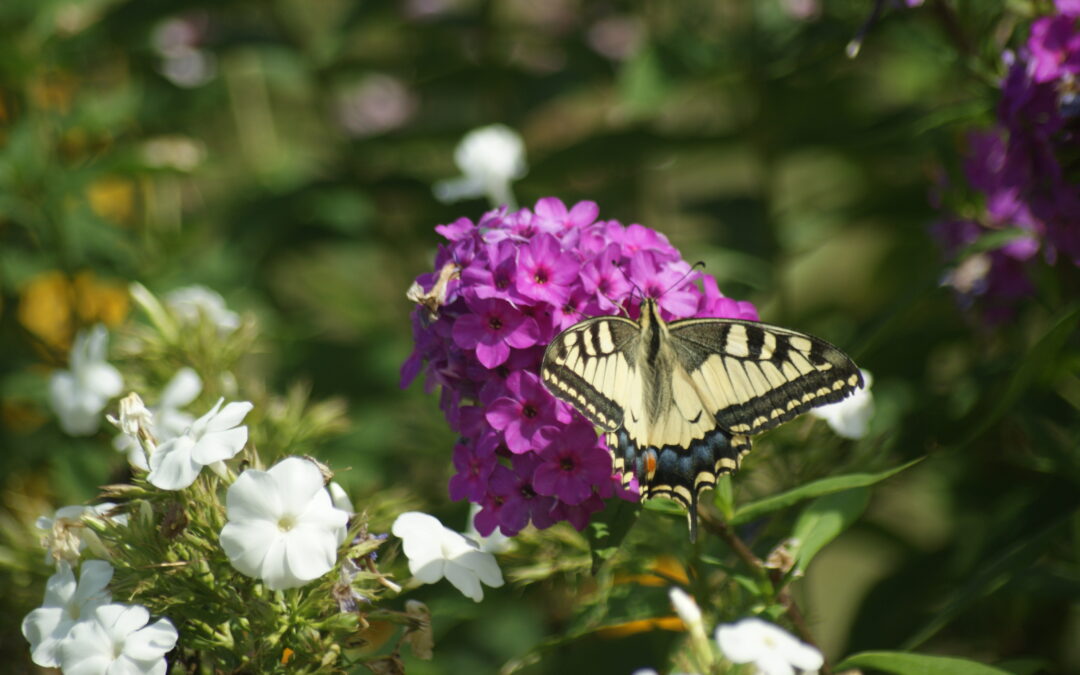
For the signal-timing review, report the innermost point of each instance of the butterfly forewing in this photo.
(591, 367)
(758, 376)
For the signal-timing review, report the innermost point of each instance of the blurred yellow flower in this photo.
(669, 623)
(51, 306)
(112, 198)
(100, 300)
(53, 91)
(665, 570)
(20, 417)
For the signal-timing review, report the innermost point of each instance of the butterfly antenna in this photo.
(630, 301)
(682, 279)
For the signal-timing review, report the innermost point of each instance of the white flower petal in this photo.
(182, 389)
(61, 586)
(230, 416)
(464, 579)
(428, 571)
(217, 446)
(340, 498)
(300, 482)
(102, 379)
(805, 657)
(119, 621)
(773, 664)
(44, 628)
(199, 425)
(94, 576)
(248, 543)
(736, 644)
(309, 553)
(171, 465)
(421, 536)
(151, 642)
(254, 496)
(850, 418)
(686, 608)
(484, 566)
(275, 571)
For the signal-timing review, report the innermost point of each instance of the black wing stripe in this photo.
(787, 401)
(567, 385)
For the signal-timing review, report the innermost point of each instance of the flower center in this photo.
(495, 323)
(529, 411)
(566, 463)
(286, 523)
(540, 276)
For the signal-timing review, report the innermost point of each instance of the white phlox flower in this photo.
(282, 525)
(687, 610)
(771, 649)
(66, 603)
(191, 303)
(166, 419)
(214, 437)
(79, 395)
(66, 535)
(490, 158)
(116, 639)
(435, 551)
(850, 417)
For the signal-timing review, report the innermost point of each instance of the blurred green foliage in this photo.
(283, 153)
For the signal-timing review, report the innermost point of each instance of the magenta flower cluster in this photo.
(517, 279)
(1021, 167)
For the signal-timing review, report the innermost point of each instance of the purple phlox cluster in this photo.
(1020, 168)
(523, 277)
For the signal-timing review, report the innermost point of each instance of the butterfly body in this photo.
(678, 401)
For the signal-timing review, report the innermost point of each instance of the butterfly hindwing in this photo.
(758, 376)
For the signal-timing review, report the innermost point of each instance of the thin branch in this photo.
(774, 577)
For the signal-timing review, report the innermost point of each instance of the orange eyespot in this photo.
(650, 464)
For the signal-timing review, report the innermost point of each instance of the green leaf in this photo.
(818, 488)
(1035, 362)
(1018, 556)
(608, 528)
(824, 519)
(724, 497)
(903, 663)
